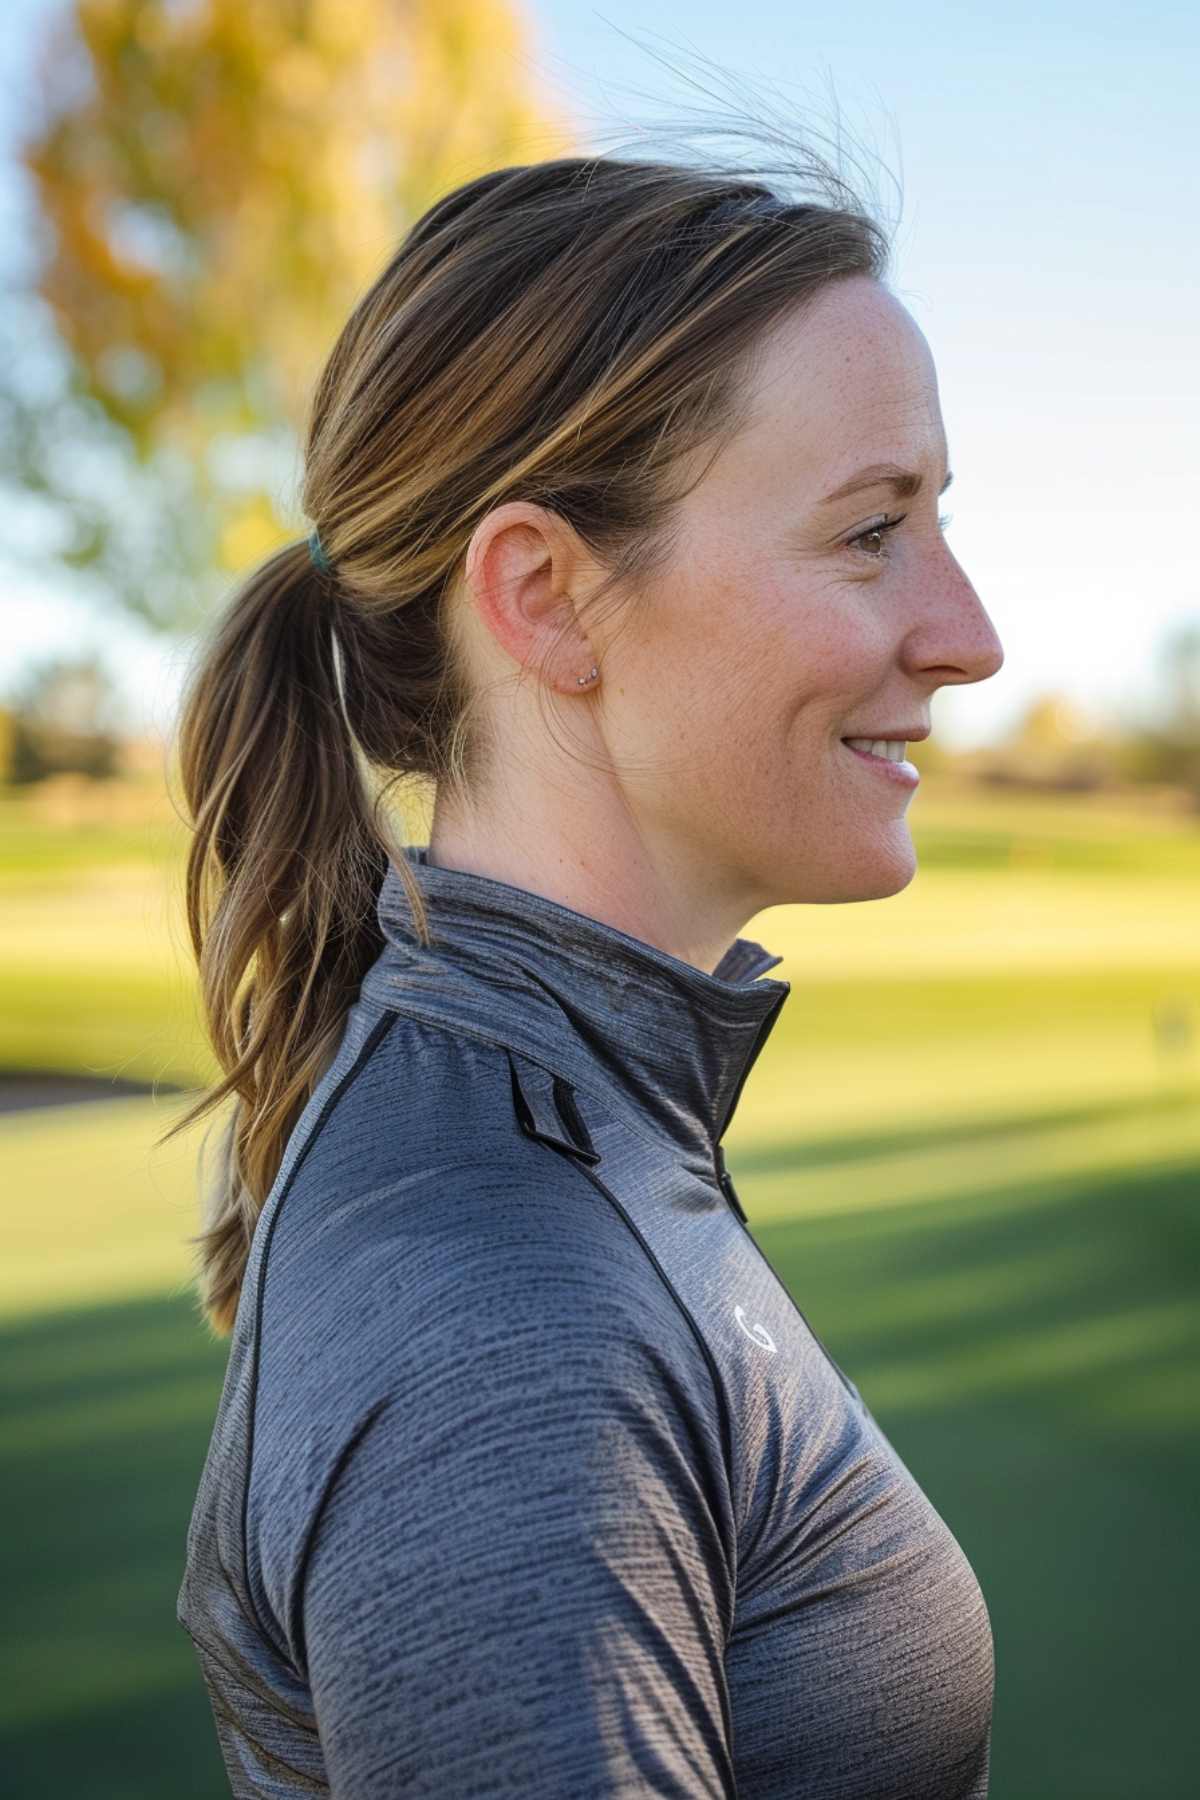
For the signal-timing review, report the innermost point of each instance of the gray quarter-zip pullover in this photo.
(528, 1478)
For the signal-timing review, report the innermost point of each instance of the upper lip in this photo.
(895, 734)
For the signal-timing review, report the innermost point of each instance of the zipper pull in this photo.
(727, 1187)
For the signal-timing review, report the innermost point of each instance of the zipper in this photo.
(764, 1032)
(722, 1173)
(725, 1181)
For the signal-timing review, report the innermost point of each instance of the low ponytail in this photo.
(283, 872)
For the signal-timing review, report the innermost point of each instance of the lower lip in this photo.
(905, 774)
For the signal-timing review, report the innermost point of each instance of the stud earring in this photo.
(582, 680)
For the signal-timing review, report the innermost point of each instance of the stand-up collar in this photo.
(662, 1037)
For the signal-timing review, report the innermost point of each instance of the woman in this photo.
(528, 1477)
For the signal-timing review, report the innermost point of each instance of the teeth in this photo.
(878, 747)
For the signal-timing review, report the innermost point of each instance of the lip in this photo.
(904, 734)
(904, 774)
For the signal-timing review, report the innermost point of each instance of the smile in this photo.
(891, 768)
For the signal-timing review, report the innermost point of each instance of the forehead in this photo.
(847, 382)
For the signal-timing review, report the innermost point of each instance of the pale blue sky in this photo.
(1049, 157)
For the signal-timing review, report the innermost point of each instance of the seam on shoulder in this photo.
(366, 1050)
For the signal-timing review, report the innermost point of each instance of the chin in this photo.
(875, 878)
(894, 874)
(896, 886)
(871, 864)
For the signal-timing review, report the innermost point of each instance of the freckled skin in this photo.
(702, 777)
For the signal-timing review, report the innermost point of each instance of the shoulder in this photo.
(424, 1242)
(505, 1264)
(472, 1329)
(418, 1207)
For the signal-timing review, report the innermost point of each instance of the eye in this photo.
(880, 529)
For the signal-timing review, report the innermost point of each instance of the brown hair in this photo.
(562, 332)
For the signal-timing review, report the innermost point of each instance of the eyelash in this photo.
(885, 525)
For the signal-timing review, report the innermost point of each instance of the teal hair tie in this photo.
(316, 552)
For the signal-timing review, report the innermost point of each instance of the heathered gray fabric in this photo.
(528, 1478)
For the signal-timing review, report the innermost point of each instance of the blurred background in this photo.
(972, 1147)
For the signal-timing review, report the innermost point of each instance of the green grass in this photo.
(106, 1414)
(1031, 1352)
(109, 1210)
(969, 1148)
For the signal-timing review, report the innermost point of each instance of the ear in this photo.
(524, 569)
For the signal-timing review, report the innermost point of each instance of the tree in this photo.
(1165, 748)
(1179, 660)
(66, 718)
(215, 185)
(1054, 744)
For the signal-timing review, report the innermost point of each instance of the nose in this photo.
(959, 637)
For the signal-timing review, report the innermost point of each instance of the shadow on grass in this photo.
(1030, 1354)
(105, 1415)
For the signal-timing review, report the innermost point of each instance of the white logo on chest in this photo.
(759, 1333)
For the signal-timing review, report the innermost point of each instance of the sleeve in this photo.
(521, 1580)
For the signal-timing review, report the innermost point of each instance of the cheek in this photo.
(744, 655)
(827, 643)
(701, 716)
(801, 654)
(738, 689)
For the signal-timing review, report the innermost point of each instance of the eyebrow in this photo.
(904, 483)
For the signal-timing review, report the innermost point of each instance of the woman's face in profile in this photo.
(774, 634)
